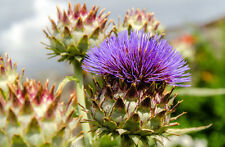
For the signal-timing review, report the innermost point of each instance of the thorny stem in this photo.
(81, 99)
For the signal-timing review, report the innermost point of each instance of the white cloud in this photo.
(22, 39)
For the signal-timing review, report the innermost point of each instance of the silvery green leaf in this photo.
(187, 130)
(201, 91)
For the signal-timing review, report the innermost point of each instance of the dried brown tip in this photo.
(156, 25)
(178, 116)
(65, 17)
(59, 14)
(70, 10)
(79, 25)
(101, 12)
(84, 9)
(103, 24)
(54, 26)
(125, 20)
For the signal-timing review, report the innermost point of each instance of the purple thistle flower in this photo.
(138, 57)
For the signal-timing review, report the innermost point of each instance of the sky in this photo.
(22, 23)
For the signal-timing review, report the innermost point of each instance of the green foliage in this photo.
(107, 141)
(208, 71)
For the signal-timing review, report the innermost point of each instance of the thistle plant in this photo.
(32, 115)
(139, 20)
(76, 30)
(133, 101)
(74, 33)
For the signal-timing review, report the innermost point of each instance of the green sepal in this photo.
(58, 139)
(144, 110)
(118, 111)
(135, 139)
(97, 113)
(46, 145)
(151, 89)
(3, 139)
(133, 123)
(110, 124)
(157, 122)
(108, 101)
(38, 98)
(127, 141)
(73, 50)
(79, 58)
(27, 108)
(33, 127)
(54, 27)
(17, 141)
(50, 112)
(13, 125)
(131, 94)
(67, 34)
(161, 87)
(145, 105)
(58, 46)
(145, 132)
(171, 101)
(2, 109)
(107, 140)
(166, 97)
(95, 33)
(121, 131)
(13, 98)
(33, 133)
(83, 44)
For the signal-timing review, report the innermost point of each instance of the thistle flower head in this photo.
(138, 59)
(140, 19)
(132, 102)
(76, 30)
(34, 113)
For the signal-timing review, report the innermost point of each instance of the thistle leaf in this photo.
(201, 91)
(187, 130)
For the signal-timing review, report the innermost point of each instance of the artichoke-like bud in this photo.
(8, 72)
(132, 101)
(34, 116)
(131, 111)
(75, 31)
(140, 20)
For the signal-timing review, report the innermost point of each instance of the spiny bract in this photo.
(32, 115)
(132, 111)
(140, 20)
(76, 31)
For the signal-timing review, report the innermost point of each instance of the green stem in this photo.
(81, 100)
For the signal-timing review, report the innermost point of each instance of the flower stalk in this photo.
(81, 100)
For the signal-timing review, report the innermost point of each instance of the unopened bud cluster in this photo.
(76, 30)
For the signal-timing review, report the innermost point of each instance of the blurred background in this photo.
(195, 27)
